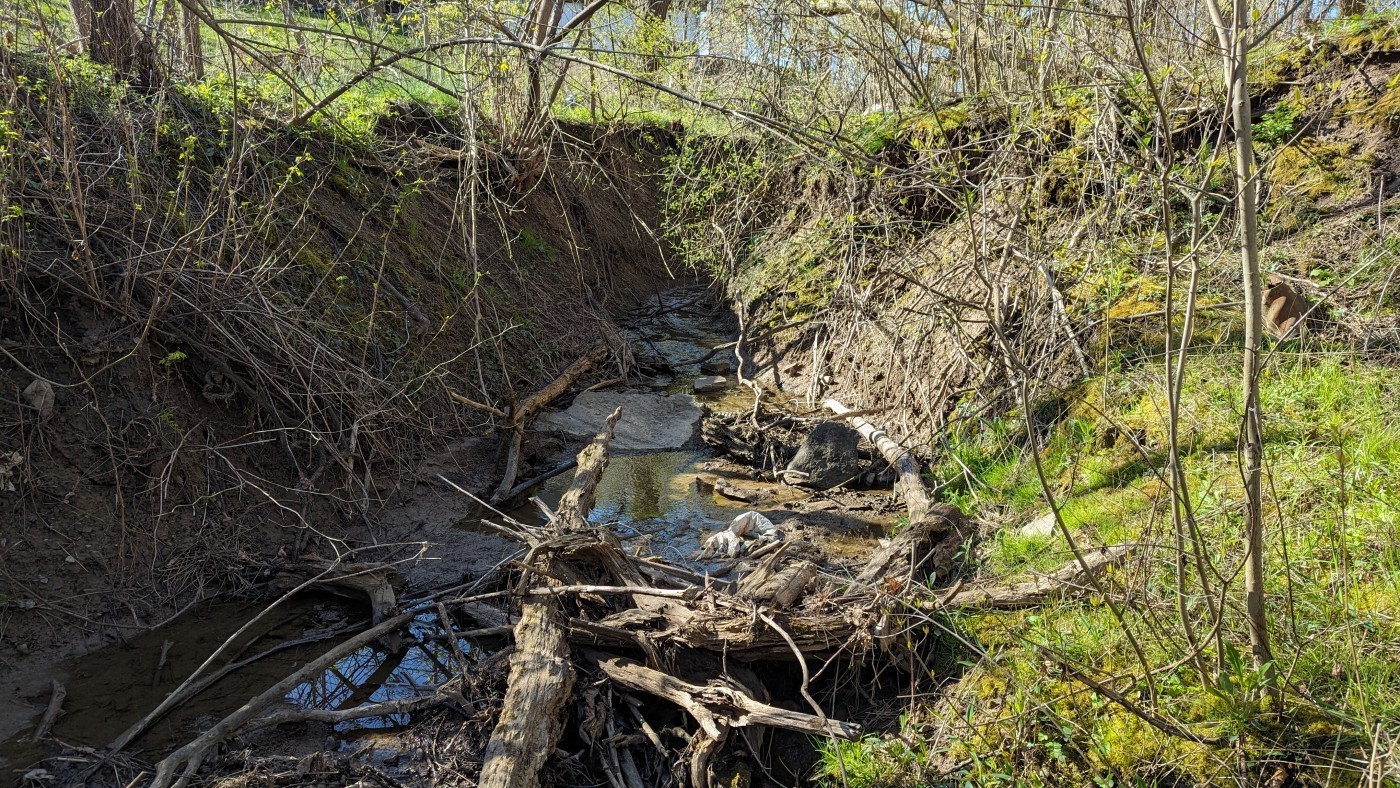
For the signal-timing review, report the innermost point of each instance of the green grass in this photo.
(1333, 563)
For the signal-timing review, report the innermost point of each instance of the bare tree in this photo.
(1233, 36)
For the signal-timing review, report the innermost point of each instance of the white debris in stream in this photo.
(730, 542)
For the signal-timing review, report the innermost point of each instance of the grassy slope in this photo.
(1013, 715)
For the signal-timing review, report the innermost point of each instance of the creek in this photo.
(653, 497)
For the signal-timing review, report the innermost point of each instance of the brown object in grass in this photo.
(1284, 308)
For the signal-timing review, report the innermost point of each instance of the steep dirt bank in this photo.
(231, 349)
(960, 243)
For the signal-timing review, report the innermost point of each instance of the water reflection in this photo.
(651, 499)
(374, 674)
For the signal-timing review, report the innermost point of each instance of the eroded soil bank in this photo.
(205, 402)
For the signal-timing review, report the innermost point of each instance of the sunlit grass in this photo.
(1332, 492)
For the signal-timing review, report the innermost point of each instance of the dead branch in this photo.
(541, 675)
(471, 403)
(718, 704)
(51, 713)
(536, 402)
(189, 757)
(1072, 576)
(333, 716)
(512, 469)
(520, 488)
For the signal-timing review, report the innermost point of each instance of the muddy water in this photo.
(113, 687)
(652, 502)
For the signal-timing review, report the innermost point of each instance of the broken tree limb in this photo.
(716, 704)
(471, 403)
(332, 716)
(577, 501)
(543, 477)
(665, 593)
(541, 675)
(526, 409)
(535, 402)
(935, 531)
(512, 469)
(927, 545)
(1070, 577)
(911, 483)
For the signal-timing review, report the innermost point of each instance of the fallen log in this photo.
(911, 482)
(375, 581)
(541, 675)
(929, 543)
(532, 717)
(1070, 577)
(777, 586)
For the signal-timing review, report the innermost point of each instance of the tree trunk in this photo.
(114, 40)
(82, 19)
(194, 45)
(1234, 43)
(1352, 8)
(113, 35)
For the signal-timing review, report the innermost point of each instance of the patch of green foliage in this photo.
(1333, 509)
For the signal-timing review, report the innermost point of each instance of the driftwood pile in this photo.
(597, 628)
(584, 596)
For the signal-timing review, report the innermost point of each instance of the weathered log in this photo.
(541, 675)
(577, 502)
(717, 704)
(781, 586)
(1070, 577)
(911, 482)
(532, 717)
(375, 581)
(552, 390)
(929, 543)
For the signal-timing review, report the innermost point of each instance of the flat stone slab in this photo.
(650, 422)
(711, 385)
